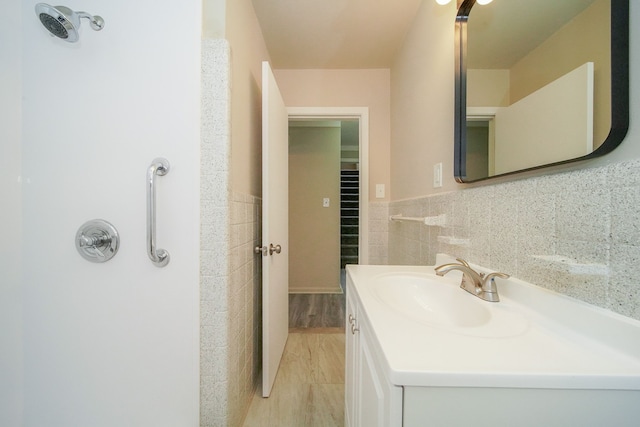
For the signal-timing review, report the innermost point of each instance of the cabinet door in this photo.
(371, 405)
(370, 399)
(351, 372)
(379, 403)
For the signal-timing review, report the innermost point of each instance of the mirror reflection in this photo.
(534, 87)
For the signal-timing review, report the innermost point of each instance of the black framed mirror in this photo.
(538, 83)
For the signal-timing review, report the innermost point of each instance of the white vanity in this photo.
(423, 352)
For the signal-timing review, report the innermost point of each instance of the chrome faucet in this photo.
(481, 285)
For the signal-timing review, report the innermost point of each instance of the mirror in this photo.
(538, 83)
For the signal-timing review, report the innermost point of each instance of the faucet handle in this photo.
(463, 262)
(488, 284)
(490, 276)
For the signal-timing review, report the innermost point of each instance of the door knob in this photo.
(277, 249)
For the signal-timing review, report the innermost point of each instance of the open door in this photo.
(275, 228)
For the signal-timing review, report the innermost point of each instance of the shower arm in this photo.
(96, 22)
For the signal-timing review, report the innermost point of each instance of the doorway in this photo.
(361, 114)
(328, 193)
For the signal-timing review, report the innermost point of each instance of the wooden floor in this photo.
(309, 386)
(316, 310)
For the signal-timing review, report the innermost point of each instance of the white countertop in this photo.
(564, 344)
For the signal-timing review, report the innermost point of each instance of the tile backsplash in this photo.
(577, 233)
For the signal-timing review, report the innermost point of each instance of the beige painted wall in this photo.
(422, 90)
(488, 88)
(565, 51)
(248, 50)
(348, 88)
(314, 231)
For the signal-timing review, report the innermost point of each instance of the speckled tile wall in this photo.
(214, 236)
(230, 273)
(588, 218)
(378, 232)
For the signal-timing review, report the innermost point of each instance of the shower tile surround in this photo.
(588, 215)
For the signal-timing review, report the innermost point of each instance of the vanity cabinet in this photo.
(539, 359)
(370, 399)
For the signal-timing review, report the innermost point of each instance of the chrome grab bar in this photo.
(159, 257)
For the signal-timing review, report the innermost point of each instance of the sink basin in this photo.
(439, 303)
(430, 333)
(429, 300)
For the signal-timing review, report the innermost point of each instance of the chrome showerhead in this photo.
(64, 23)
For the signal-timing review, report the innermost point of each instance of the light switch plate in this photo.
(379, 191)
(437, 175)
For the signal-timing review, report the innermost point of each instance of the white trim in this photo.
(486, 114)
(482, 111)
(316, 290)
(362, 114)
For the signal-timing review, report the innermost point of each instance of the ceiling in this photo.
(338, 34)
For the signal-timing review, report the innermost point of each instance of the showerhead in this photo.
(63, 22)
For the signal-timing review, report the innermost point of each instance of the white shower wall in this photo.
(114, 343)
(10, 220)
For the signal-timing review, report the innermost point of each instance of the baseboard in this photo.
(316, 289)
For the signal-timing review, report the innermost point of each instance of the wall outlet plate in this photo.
(326, 202)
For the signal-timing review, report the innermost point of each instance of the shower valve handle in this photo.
(97, 241)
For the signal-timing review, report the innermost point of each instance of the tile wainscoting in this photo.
(589, 216)
(245, 308)
(378, 233)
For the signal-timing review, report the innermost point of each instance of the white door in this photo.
(275, 228)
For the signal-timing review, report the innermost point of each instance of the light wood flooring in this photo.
(309, 386)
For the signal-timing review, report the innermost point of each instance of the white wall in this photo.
(522, 137)
(10, 219)
(114, 343)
